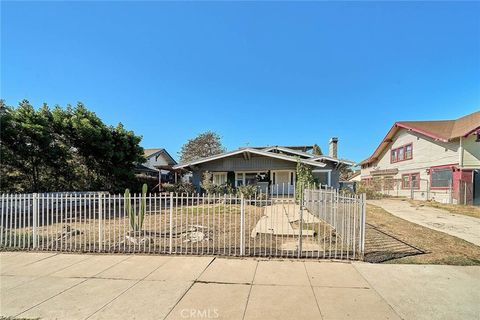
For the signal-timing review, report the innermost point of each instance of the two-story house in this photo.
(428, 160)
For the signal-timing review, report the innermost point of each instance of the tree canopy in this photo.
(64, 149)
(206, 144)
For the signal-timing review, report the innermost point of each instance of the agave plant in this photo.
(136, 219)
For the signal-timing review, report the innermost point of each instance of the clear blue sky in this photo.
(261, 73)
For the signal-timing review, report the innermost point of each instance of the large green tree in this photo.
(64, 149)
(206, 144)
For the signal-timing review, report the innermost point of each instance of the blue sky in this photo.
(258, 73)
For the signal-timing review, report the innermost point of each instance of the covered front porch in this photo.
(267, 181)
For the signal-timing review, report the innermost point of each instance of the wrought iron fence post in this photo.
(100, 227)
(362, 225)
(171, 225)
(302, 194)
(35, 222)
(242, 225)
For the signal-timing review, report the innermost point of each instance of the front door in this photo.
(282, 182)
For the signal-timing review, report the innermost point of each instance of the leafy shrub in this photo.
(185, 187)
(181, 187)
(304, 178)
(224, 189)
(247, 191)
(169, 187)
(369, 190)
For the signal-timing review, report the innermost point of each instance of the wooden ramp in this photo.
(277, 220)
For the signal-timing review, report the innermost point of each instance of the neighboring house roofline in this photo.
(441, 130)
(354, 175)
(254, 151)
(148, 153)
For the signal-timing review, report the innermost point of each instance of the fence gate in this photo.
(321, 224)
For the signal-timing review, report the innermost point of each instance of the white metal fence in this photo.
(323, 224)
(421, 190)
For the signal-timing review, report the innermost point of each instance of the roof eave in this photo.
(254, 151)
(425, 133)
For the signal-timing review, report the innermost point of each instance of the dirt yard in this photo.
(390, 239)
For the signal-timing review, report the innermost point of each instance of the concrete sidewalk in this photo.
(71, 286)
(460, 226)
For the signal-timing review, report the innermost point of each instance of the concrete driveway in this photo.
(463, 227)
(72, 286)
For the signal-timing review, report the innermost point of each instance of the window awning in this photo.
(385, 172)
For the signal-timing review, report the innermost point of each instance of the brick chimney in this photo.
(332, 147)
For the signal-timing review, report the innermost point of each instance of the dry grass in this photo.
(439, 247)
(471, 211)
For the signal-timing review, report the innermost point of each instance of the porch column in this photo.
(329, 178)
(159, 180)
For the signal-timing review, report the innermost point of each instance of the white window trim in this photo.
(242, 173)
(329, 172)
(272, 172)
(219, 174)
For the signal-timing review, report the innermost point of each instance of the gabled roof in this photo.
(304, 148)
(149, 152)
(288, 150)
(311, 156)
(442, 130)
(253, 151)
(152, 152)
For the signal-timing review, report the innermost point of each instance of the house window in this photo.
(415, 180)
(250, 178)
(441, 177)
(219, 178)
(408, 151)
(239, 179)
(411, 181)
(401, 153)
(394, 155)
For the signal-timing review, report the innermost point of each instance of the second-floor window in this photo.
(401, 153)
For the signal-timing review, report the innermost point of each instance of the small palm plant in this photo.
(136, 218)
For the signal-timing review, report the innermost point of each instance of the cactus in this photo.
(136, 220)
